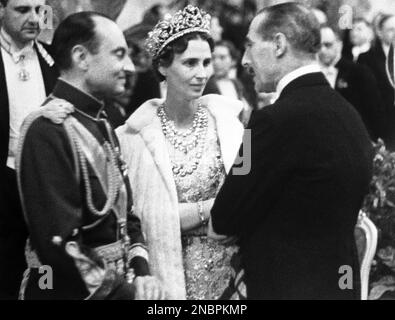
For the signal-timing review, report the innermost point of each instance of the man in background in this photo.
(375, 60)
(27, 75)
(354, 82)
(361, 37)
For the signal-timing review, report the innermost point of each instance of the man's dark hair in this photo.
(296, 22)
(4, 2)
(77, 29)
(234, 53)
(178, 46)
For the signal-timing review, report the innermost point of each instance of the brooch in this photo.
(342, 84)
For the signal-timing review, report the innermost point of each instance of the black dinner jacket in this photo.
(357, 84)
(50, 75)
(296, 210)
(375, 60)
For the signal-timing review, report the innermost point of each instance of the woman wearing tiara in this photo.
(178, 151)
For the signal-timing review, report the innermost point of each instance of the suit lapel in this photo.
(4, 107)
(380, 54)
(342, 75)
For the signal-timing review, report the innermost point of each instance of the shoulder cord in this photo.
(113, 181)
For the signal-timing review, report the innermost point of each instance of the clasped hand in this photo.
(57, 110)
(148, 288)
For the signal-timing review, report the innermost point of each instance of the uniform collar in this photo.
(81, 100)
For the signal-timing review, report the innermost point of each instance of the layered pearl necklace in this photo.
(192, 139)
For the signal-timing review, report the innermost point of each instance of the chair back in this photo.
(366, 239)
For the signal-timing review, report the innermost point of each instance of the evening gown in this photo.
(206, 262)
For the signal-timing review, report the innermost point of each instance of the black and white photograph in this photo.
(197, 150)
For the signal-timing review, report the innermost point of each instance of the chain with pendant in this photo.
(23, 74)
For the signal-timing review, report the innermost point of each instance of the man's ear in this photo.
(80, 57)
(280, 43)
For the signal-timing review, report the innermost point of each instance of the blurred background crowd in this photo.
(354, 31)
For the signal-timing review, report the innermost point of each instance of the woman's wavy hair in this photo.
(166, 58)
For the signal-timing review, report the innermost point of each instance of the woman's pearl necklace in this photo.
(193, 138)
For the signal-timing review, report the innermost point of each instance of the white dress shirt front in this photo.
(23, 96)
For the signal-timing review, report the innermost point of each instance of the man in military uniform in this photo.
(73, 182)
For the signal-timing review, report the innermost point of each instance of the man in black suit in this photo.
(27, 75)
(375, 60)
(311, 163)
(354, 82)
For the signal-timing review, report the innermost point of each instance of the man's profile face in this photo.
(21, 19)
(330, 47)
(222, 61)
(108, 68)
(360, 33)
(387, 33)
(260, 59)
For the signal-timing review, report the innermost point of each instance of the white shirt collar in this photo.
(10, 43)
(293, 75)
(332, 65)
(362, 48)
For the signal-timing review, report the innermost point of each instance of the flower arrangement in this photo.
(379, 204)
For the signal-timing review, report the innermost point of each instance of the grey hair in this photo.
(296, 22)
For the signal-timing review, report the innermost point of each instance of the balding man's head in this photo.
(331, 46)
(91, 51)
(76, 29)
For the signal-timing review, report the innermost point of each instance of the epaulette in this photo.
(44, 53)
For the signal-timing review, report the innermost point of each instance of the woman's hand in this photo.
(57, 110)
(148, 288)
(189, 214)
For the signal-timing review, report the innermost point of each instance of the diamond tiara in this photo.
(190, 19)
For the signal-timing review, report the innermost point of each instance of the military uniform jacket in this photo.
(64, 230)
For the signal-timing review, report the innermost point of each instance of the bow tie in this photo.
(23, 55)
